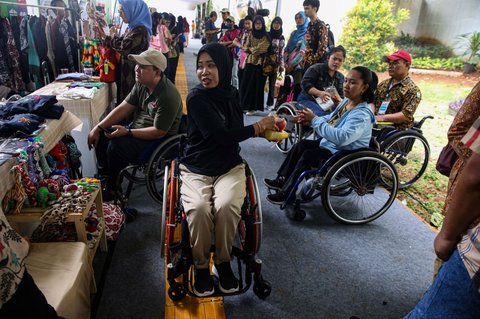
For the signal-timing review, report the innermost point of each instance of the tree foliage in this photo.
(368, 32)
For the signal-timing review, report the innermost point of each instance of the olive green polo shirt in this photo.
(161, 109)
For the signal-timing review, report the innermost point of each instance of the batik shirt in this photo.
(404, 97)
(318, 43)
(13, 250)
(469, 246)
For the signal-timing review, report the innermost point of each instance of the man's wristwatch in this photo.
(129, 128)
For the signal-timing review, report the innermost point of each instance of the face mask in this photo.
(228, 26)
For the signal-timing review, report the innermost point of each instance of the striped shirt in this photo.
(469, 246)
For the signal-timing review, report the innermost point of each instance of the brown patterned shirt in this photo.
(318, 43)
(404, 97)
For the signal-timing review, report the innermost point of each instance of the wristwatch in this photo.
(129, 128)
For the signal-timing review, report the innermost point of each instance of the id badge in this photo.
(383, 107)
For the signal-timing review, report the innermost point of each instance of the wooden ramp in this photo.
(190, 307)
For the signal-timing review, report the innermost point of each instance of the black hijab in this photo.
(276, 34)
(223, 61)
(259, 33)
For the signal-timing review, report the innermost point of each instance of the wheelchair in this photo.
(149, 171)
(356, 187)
(176, 242)
(408, 150)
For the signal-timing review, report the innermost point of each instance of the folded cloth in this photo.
(80, 93)
(20, 125)
(73, 76)
(88, 85)
(41, 105)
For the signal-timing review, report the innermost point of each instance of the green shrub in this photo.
(423, 47)
(418, 48)
(450, 64)
(368, 32)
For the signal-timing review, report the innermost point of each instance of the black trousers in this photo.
(304, 155)
(28, 302)
(116, 154)
(272, 79)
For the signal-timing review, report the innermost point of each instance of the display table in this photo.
(33, 214)
(88, 110)
(52, 133)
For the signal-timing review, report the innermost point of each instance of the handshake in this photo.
(271, 128)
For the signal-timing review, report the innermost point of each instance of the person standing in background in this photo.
(295, 52)
(245, 26)
(134, 41)
(211, 30)
(227, 40)
(186, 31)
(252, 88)
(316, 36)
(225, 14)
(278, 43)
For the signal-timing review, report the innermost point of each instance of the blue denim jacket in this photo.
(352, 131)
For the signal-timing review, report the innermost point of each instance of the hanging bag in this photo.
(172, 53)
(446, 160)
(270, 64)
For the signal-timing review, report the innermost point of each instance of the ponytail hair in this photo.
(369, 77)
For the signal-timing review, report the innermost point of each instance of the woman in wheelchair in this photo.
(349, 127)
(212, 170)
(318, 81)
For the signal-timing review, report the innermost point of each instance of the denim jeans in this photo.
(451, 295)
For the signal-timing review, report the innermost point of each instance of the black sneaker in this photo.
(277, 198)
(275, 184)
(203, 285)
(228, 281)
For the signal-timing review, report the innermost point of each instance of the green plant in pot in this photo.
(471, 43)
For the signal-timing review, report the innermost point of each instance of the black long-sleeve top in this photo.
(214, 132)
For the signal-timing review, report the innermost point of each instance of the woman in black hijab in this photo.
(251, 91)
(278, 44)
(212, 170)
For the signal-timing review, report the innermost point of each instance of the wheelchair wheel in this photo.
(288, 111)
(165, 213)
(409, 152)
(250, 228)
(354, 191)
(162, 156)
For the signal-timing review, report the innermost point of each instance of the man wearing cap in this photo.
(155, 107)
(227, 40)
(225, 14)
(397, 98)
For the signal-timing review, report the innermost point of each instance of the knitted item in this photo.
(28, 186)
(14, 198)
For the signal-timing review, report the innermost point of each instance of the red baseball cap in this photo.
(400, 54)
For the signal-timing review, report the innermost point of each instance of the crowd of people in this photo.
(232, 68)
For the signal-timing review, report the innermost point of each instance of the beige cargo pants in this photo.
(213, 206)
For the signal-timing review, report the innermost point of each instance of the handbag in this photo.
(270, 64)
(172, 53)
(446, 160)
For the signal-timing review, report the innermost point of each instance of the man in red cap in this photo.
(397, 98)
